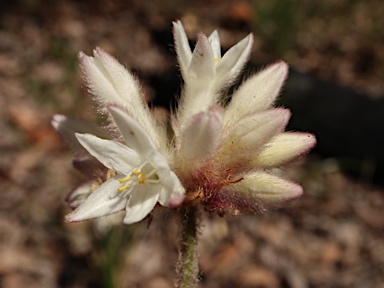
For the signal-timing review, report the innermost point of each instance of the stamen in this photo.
(142, 177)
(137, 177)
(216, 59)
(123, 188)
(126, 179)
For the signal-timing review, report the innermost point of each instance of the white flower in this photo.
(143, 176)
(231, 159)
(226, 157)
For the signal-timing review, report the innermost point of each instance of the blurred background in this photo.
(332, 237)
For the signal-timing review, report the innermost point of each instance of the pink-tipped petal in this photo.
(202, 64)
(261, 191)
(251, 133)
(172, 192)
(285, 148)
(259, 92)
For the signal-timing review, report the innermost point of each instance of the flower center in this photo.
(217, 59)
(145, 173)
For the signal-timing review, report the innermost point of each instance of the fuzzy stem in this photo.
(187, 268)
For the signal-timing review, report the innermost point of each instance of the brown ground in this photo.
(332, 237)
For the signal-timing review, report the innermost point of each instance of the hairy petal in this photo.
(184, 53)
(98, 80)
(233, 61)
(111, 83)
(259, 92)
(262, 191)
(254, 131)
(202, 64)
(285, 148)
(198, 94)
(214, 41)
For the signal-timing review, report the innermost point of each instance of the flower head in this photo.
(136, 174)
(227, 156)
(142, 179)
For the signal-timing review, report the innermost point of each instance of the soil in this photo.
(331, 237)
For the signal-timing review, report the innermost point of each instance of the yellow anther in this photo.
(142, 177)
(136, 171)
(126, 179)
(216, 59)
(122, 188)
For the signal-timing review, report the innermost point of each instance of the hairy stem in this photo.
(187, 268)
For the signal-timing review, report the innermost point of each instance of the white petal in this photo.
(111, 154)
(258, 93)
(126, 87)
(251, 133)
(285, 148)
(198, 94)
(266, 190)
(203, 135)
(111, 83)
(67, 127)
(233, 61)
(202, 64)
(98, 80)
(134, 134)
(214, 40)
(262, 127)
(160, 163)
(172, 192)
(143, 199)
(99, 203)
(184, 53)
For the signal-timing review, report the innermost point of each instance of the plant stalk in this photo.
(187, 268)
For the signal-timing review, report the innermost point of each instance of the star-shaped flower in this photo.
(142, 179)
